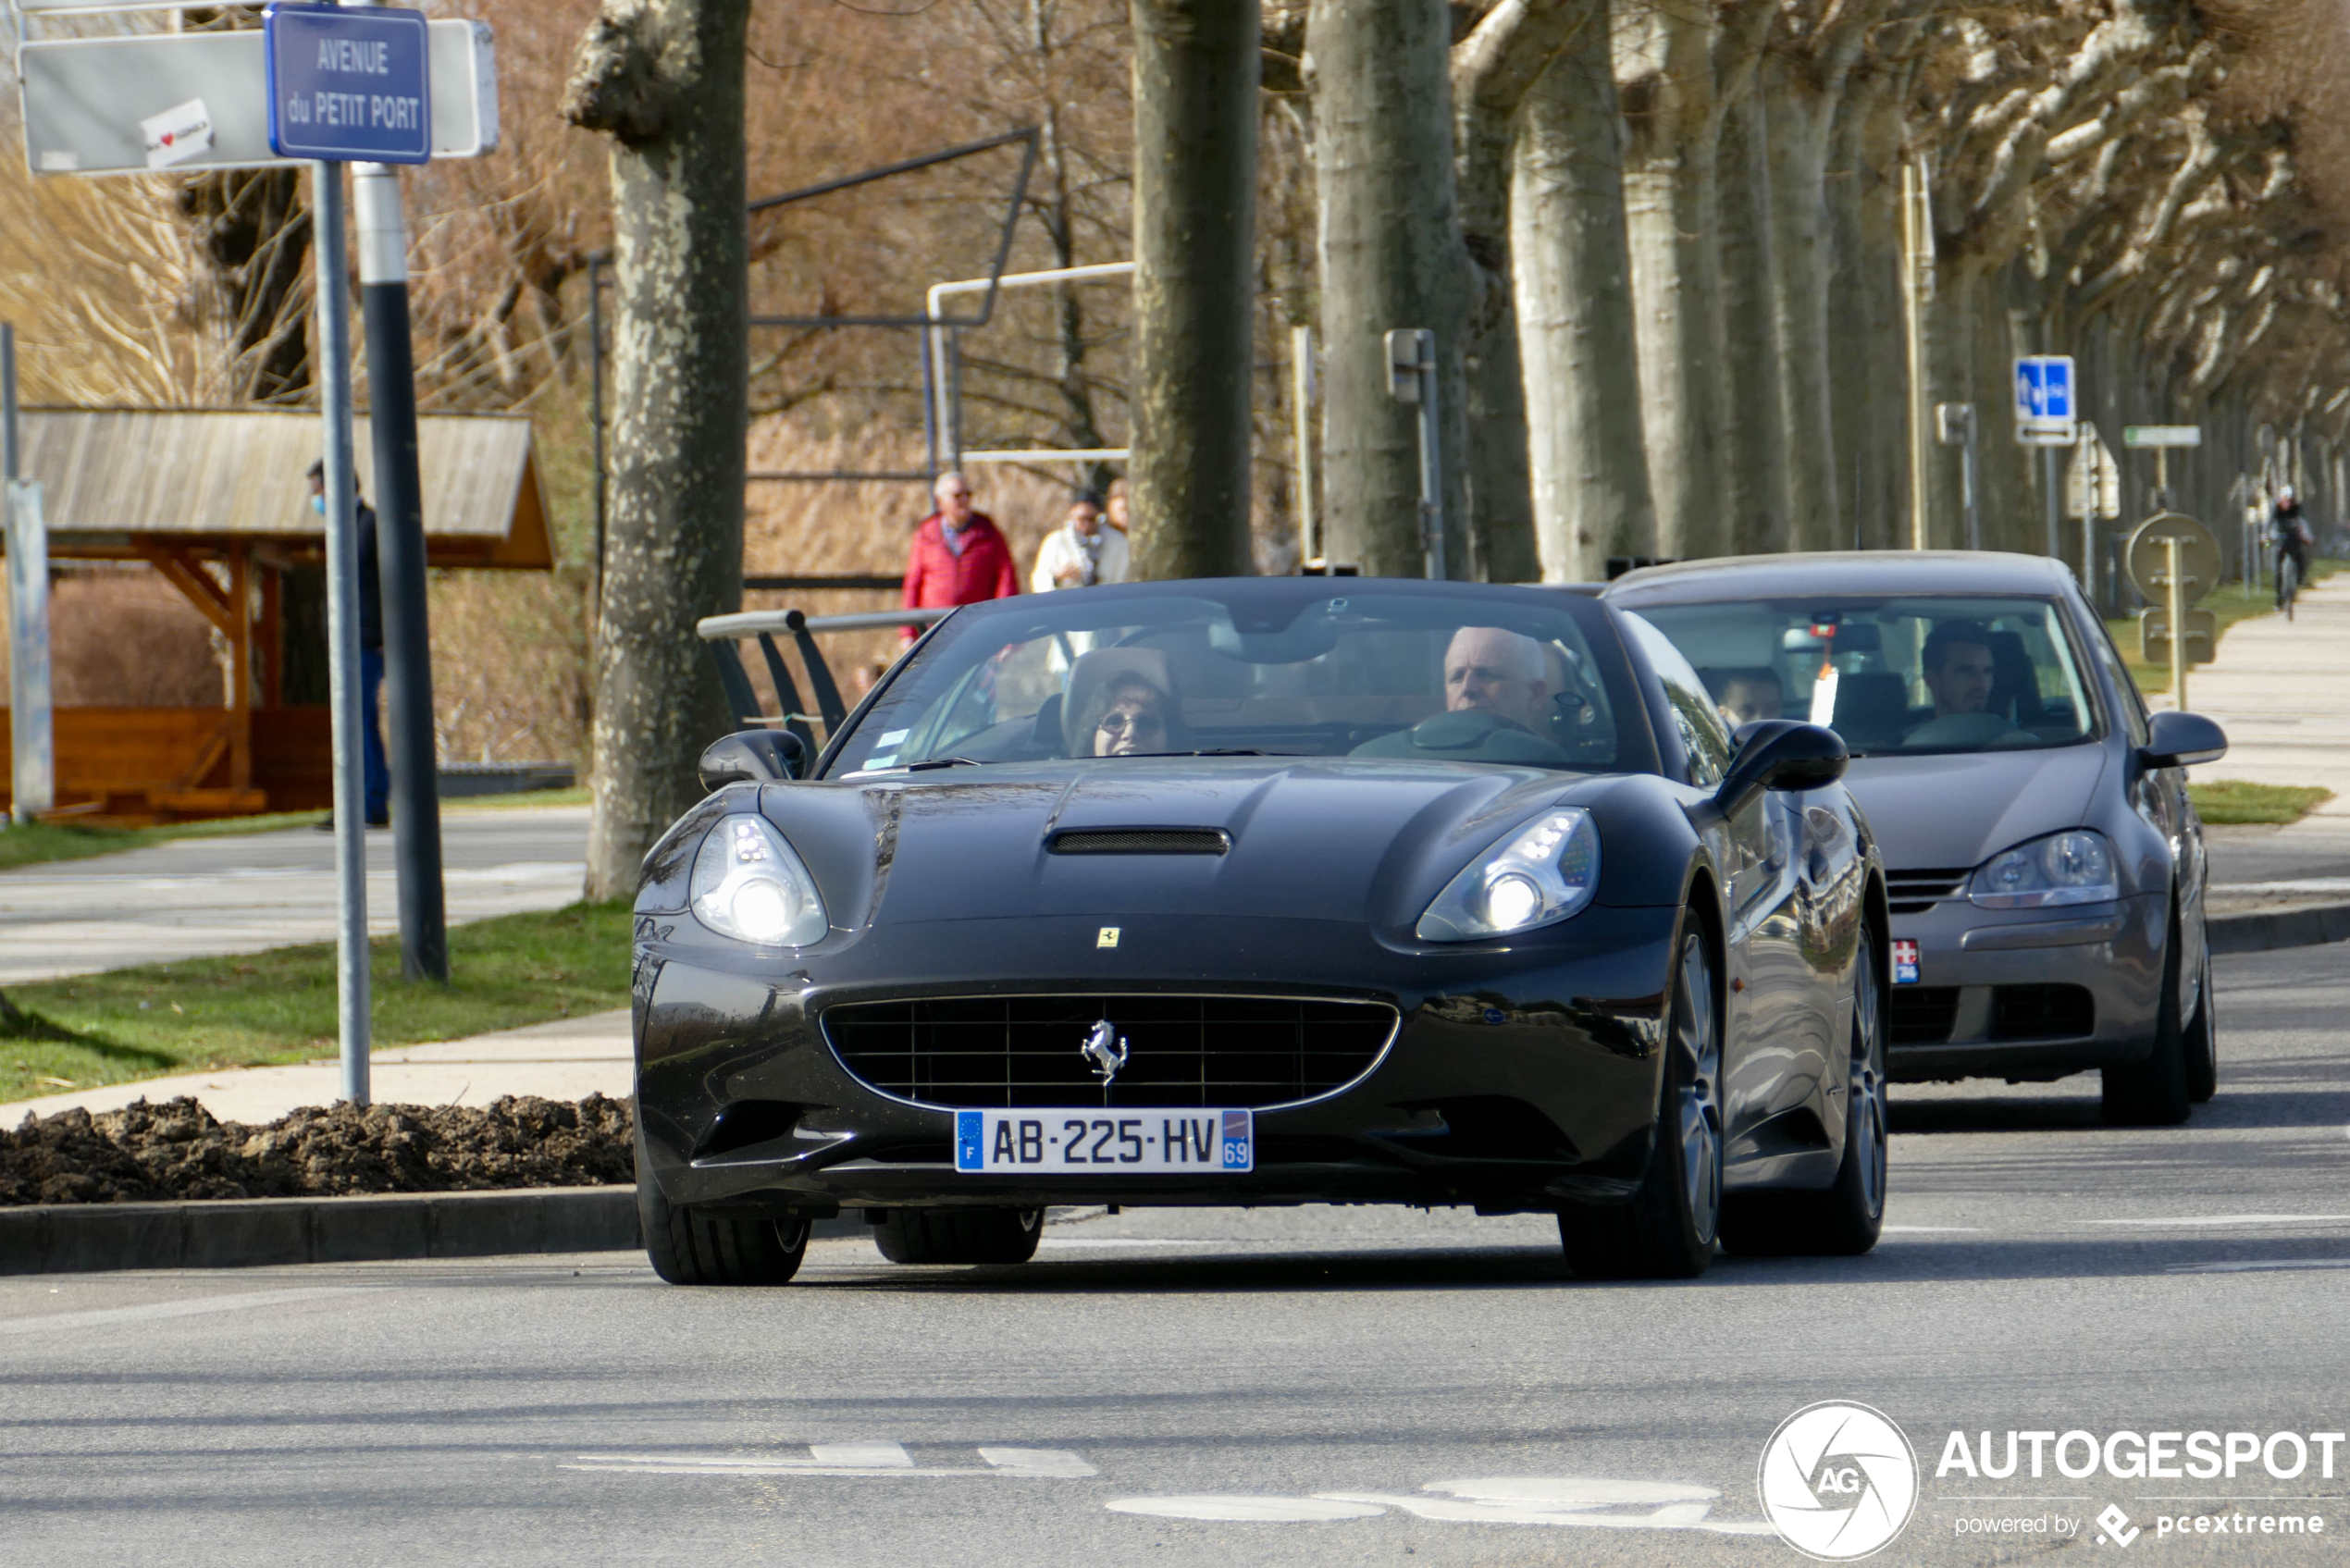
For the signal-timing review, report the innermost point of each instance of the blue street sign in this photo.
(2044, 390)
(349, 85)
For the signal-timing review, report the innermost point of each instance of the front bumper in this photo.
(1983, 1005)
(743, 1102)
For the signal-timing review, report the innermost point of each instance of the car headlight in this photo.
(2075, 867)
(748, 885)
(1538, 876)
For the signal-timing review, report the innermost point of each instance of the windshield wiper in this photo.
(942, 762)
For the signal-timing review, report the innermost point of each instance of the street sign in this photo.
(2044, 405)
(348, 85)
(2092, 482)
(92, 106)
(2154, 636)
(2199, 563)
(2162, 435)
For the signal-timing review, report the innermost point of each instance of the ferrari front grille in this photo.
(1913, 893)
(1012, 1051)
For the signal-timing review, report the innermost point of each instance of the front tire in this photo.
(1846, 1220)
(1668, 1229)
(2203, 1039)
(2155, 1092)
(959, 1235)
(694, 1246)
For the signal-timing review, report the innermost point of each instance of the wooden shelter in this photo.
(219, 503)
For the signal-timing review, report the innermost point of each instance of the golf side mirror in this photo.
(753, 757)
(1780, 754)
(2182, 740)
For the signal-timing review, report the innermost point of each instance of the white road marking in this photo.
(1247, 1510)
(1572, 1501)
(2192, 1219)
(865, 1459)
(62, 1322)
(2257, 1265)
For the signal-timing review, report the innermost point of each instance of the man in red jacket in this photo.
(958, 556)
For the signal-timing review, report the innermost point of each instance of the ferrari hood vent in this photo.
(1139, 840)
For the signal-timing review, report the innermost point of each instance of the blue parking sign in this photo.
(2044, 389)
(348, 85)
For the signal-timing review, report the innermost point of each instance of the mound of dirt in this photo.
(145, 1153)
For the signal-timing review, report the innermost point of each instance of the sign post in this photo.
(2045, 416)
(345, 86)
(2161, 437)
(2175, 561)
(1411, 378)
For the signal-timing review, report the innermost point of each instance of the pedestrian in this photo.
(376, 770)
(1081, 552)
(1116, 513)
(958, 555)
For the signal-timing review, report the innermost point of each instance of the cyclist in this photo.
(2290, 532)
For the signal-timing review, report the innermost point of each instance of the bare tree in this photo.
(664, 77)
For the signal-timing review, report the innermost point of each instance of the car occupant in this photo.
(1497, 704)
(1957, 667)
(1121, 702)
(1744, 696)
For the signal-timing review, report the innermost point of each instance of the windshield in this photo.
(1893, 675)
(1275, 667)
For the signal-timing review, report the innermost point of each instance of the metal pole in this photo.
(2177, 593)
(33, 767)
(1431, 461)
(1301, 387)
(1966, 479)
(2055, 471)
(1917, 287)
(400, 551)
(343, 629)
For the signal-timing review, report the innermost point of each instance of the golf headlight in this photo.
(1537, 876)
(748, 885)
(2064, 868)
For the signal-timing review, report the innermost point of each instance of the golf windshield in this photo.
(1893, 675)
(1274, 667)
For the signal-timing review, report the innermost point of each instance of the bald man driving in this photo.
(1497, 702)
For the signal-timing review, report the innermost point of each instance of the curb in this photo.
(2307, 927)
(249, 1233)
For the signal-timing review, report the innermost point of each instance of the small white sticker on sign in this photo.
(177, 134)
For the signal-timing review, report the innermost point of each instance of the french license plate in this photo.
(1078, 1141)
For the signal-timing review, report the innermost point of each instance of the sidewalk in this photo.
(201, 897)
(564, 1060)
(2282, 690)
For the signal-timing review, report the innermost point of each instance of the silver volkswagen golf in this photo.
(2044, 867)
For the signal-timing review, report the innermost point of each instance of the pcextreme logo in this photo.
(1838, 1480)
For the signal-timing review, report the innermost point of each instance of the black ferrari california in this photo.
(1260, 891)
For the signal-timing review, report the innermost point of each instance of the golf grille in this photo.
(1922, 1014)
(1913, 893)
(1139, 840)
(1014, 1050)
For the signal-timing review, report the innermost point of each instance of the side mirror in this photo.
(753, 757)
(2182, 740)
(1780, 754)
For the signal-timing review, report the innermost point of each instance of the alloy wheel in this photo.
(1697, 1047)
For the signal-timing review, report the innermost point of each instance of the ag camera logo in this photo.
(1838, 1481)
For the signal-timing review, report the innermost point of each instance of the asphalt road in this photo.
(242, 892)
(1433, 1387)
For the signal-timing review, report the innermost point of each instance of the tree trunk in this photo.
(1799, 122)
(666, 79)
(1195, 75)
(1665, 77)
(1573, 275)
(1755, 493)
(1392, 258)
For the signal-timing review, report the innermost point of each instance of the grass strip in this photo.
(266, 1008)
(35, 844)
(2224, 802)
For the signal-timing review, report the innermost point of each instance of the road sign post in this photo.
(1411, 378)
(346, 85)
(1954, 427)
(2046, 408)
(2161, 437)
(2175, 561)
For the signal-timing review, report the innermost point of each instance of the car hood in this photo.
(1933, 812)
(1333, 839)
